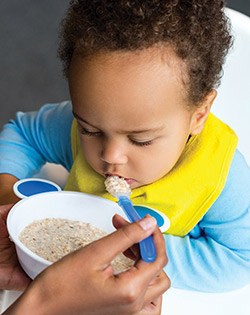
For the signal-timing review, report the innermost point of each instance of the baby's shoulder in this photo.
(234, 199)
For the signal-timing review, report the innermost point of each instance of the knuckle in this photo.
(163, 260)
(167, 282)
(130, 295)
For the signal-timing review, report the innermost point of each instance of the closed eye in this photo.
(141, 143)
(86, 132)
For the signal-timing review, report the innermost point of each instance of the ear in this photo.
(200, 114)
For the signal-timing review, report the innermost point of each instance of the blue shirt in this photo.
(213, 257)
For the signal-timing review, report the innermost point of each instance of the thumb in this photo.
(122, 239)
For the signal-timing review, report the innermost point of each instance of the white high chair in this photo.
(232, 106)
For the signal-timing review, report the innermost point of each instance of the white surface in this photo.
(9, 298)
(54, 172)
(180, 302)
(232, 104)
(62, 204)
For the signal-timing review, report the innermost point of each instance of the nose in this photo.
(114, 152)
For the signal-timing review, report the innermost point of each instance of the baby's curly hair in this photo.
(197, 30)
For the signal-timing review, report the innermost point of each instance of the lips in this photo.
(128, 180)
(109, 174)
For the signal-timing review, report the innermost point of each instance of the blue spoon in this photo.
(120, 189)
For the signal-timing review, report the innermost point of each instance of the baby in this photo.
(142, 78)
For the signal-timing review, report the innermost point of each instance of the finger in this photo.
(4, 210)
(135, 291)
(155, 292)
(157, 288)
(146, 272)
(118, 221)
(153, 308)
(133, 252)
(14, 279)
(110, 246)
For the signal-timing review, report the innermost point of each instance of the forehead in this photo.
(130, 83)
(154, 60)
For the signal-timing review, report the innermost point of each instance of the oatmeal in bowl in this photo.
(47, 226)
(52, 239)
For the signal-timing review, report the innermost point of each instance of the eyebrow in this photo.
(81, 119)
(123, 132)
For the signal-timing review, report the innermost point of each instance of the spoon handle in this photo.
(147, 246)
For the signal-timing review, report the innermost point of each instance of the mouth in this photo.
(128, 180)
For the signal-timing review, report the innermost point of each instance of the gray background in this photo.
(30, 71)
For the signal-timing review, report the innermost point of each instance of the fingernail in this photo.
(147, 223)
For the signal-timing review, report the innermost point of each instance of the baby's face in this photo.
(131, 112)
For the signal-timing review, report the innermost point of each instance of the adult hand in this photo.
(83, 282)
(12, 276)
(7, 195)
(154, 307)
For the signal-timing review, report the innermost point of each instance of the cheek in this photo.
(90, 149)
(149, 164)
(159, 160)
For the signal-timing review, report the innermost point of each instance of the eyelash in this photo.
(99, 133)
(89, 133)
(140, 144)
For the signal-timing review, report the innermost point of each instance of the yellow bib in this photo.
(186, 193)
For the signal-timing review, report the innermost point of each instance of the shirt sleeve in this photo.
(34, 138)
(215, 255)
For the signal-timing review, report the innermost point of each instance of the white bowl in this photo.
(62, 204)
